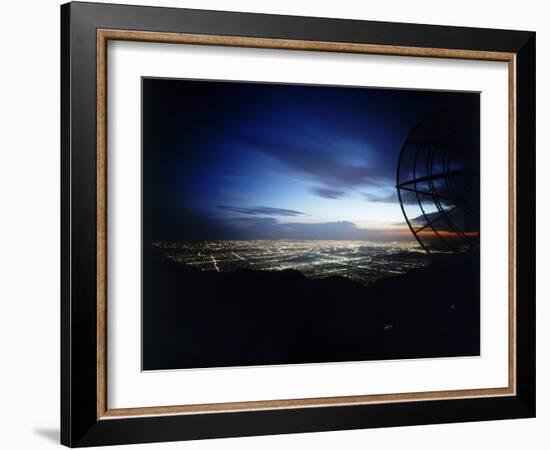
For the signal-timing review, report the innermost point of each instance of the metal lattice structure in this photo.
(438, 182)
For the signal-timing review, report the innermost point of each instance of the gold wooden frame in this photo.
(103, 36)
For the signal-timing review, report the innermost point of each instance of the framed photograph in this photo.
(277, 224)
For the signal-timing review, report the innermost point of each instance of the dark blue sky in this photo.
(232, 160)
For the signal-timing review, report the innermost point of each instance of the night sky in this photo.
(237, 160)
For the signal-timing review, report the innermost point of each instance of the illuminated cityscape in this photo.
(273, 230)
(361, 261)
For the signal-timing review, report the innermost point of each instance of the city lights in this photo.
(361, 261)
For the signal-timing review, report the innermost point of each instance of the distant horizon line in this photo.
(412, 239)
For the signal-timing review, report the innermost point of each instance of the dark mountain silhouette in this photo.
(210, 319)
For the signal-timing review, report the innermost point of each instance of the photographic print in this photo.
(299, 224)
(272, 224)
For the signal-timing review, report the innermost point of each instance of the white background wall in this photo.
(29, 224)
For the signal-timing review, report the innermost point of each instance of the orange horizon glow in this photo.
(427, 233)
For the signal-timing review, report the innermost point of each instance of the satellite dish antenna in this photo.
(438, 182)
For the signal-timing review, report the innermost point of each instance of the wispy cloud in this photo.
(261, 211)
(318, 160)
(407, 197)
(328, 193)
(377, 198)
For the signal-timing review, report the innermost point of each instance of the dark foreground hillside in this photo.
(211, 319)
